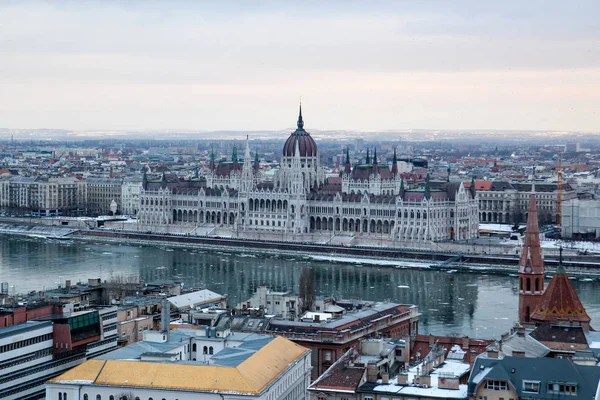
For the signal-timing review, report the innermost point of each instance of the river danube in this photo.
(478, 305)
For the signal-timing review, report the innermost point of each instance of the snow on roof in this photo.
(193, 299)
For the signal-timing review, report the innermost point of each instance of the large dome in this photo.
(306, 144)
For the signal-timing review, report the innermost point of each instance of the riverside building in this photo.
(300, 203)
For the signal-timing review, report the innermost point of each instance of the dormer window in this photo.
(562, 388)
(531, 386)
(496, 385)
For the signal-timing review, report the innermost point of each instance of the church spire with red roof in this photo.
(531, 267)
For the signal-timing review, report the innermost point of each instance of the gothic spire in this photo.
(427, 188)
(348, 166)
(300, 122)
(234, 154)
(472, 187)
(449, 171)
(375, 156)
(531, 256)
(212, 158)
(368, 160)
(395, 163)
(145, 180)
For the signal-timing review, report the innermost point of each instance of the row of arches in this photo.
(202, 217)
(351, 225)
(525, 284)
(267, 205)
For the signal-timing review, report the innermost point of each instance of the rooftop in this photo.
(248, 369)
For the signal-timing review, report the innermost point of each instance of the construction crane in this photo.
(559, 189)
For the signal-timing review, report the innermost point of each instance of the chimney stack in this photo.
(165, 318)
(371, 372)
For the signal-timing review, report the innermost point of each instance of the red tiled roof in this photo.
(479, 185)
(560, 302)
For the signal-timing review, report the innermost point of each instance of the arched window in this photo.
(64, 396)
(59, 396)
(85, 396)
(528, 284)
(210, 350)
(98, 397)
(205, 350)
(111, 397)
(194, 347)
(537, 284)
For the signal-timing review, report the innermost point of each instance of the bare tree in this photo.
(307, 289)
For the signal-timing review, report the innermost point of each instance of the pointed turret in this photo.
(348, 166)
(395, 163)
(163, 179)
(145, 180)
(300, 123)
(401, 187)
(472, 189)
(368, 160)
(256, 162)
(375, 165)
(212, 158)
(531, 267)
(427, 187)
(560, 302)
(448, 170)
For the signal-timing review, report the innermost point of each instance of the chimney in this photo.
(68, 284)
(465, 342)
(448, 383)
(385, 378)
(402, 379)
(371, 372)
(492, 353)
(431, 339)
(317, 318)
(426, 380)
(165, 318)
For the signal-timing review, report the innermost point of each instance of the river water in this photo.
(474, 304)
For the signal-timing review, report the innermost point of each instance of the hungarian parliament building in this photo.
(369, 201)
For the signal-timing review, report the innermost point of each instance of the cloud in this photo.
(366, 65)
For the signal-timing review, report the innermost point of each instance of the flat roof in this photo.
(23, 327)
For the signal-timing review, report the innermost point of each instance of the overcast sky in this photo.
(244, 65)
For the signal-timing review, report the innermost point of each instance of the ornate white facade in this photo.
(370, 201)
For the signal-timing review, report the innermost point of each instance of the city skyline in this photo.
(243, 67)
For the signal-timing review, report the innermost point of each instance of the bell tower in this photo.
(531, 267)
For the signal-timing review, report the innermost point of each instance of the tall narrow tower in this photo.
(531, 267)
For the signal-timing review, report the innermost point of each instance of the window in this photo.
(496, 385)
(86, 397)
(563, 388)
(210, 350)
(98, 397)
(531, 386)
(111, 397)
(59, 396)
